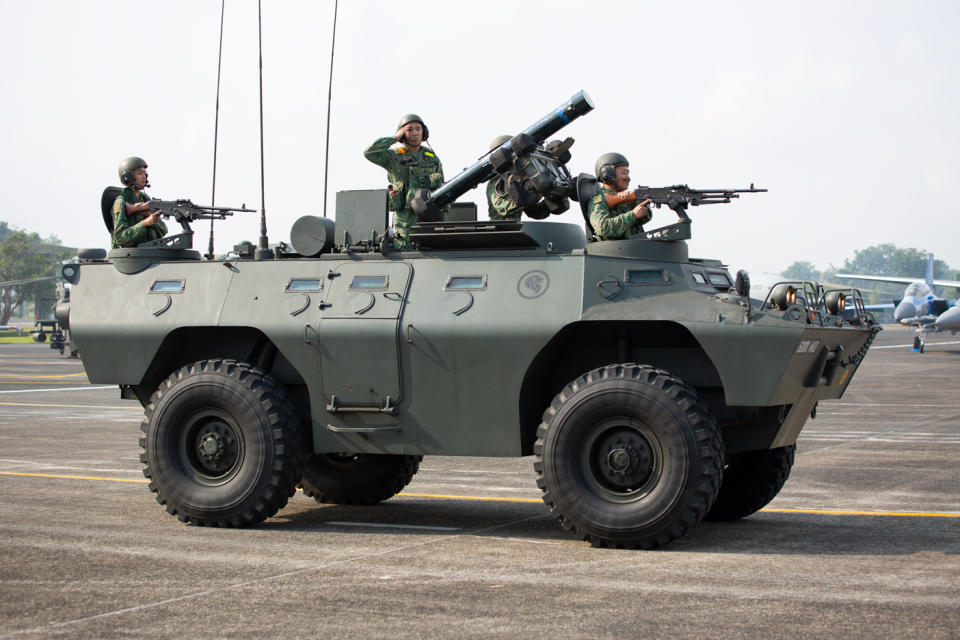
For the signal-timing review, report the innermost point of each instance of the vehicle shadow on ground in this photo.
(762, 533)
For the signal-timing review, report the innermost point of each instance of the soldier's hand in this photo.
(642, 212)
(401, 134)
(151, 219)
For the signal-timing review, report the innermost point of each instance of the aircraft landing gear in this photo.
(918, 343)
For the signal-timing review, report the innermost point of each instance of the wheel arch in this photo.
(187, 345)
(583, 346)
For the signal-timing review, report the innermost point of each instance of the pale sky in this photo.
(845, 111)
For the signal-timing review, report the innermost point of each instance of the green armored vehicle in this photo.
(651, 388)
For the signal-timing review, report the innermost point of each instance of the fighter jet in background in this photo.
(920, 307)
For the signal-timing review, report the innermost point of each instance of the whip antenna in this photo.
(216, 126)
(326, 155)
(263, 249)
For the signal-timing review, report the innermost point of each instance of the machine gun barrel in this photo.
(482, 170)
(183, 210)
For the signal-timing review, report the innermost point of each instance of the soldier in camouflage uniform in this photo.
(500, 206)
(624, 220)
(132, 221)
(409, 167)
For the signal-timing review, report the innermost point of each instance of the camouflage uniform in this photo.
(616, 224)
(128, 230)
(501, 207)
(407, 171)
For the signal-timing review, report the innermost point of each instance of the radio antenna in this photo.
(263, 250)
(216, 127)
(326, 155)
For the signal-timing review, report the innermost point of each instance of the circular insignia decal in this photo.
(533, 284)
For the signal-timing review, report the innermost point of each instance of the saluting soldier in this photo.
(623, 220)
(500, 206)
(409, 167)
(133, 223)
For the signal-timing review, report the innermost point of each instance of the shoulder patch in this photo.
(401, 150)
(428, 154)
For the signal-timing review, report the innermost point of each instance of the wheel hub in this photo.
(212, 446)
(622, 459)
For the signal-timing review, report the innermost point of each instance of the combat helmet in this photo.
(412, 117)
(499, 140)
(604, 169)
(127, 167)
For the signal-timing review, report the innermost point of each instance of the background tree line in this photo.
(24, 258)
(878, 260)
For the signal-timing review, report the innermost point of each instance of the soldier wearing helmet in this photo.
(409, 167)
(500, 206)
(132, 221)
(624, 220)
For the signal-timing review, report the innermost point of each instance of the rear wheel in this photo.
(750, 481)
(628, 456)
(357, 478)
(221, 445)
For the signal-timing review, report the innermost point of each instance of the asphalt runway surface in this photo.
(862, 542)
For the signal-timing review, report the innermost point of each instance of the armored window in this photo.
(459, 283)
(368, 283)
(646, 276)
(166, 286)
(698, 277)
(305, 284)
(719, 279)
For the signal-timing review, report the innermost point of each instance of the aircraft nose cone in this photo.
(904, 311)
(949, 320)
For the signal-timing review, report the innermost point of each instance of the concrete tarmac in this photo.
(862, 542)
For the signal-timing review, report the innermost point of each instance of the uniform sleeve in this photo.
(607, 225)
(130, 235)
(380, 153)
(498, 206)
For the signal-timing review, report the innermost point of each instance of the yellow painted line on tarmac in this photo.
(138, 408)
(843, 512)
(443, 496)
(36, 377)
(481, 498)
(61, 477)
(47, 382)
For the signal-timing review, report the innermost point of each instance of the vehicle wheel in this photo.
(628, 456)
(221, 444)
(750, 481)
(356, 478)
(40, 337)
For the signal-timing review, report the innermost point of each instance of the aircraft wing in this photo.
(895, 279)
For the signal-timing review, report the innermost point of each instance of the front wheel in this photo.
(221, 445)
(628, 456)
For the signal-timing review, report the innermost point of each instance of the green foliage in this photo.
(23, 257)
(802, 270)
(889, 260)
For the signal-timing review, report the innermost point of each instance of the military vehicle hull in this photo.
(376, 360)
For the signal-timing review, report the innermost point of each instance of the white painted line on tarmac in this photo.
(377, 525)
(60, 389)
(910, 346)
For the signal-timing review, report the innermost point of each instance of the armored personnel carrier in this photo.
(650, 387)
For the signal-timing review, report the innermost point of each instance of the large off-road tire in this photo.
(628, 456)
(356, 478)
(221, 444)
(750, 481)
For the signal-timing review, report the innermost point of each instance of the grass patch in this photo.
(15, 339)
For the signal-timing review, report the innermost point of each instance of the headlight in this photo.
(836, 302)
(784, 295)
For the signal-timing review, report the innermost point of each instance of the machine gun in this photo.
(185, 212)
(678, 197)
(533, 170)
